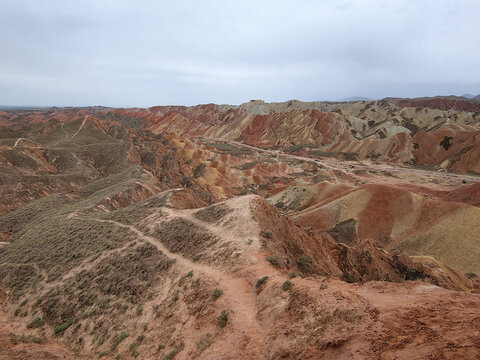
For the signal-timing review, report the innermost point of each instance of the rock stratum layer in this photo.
(270, 231)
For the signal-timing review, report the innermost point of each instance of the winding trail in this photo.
(337, 165)
(81, 126)
(66, 134)
(18, 140)
(238, 292)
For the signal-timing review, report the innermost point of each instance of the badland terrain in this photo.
(294, 230)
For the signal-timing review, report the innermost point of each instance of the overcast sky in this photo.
(143, 53)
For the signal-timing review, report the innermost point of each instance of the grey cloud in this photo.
(143, 53)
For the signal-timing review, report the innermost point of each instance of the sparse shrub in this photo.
(145, 327)
(140, 338)
(217, 293)
(132, 347)
(190, 273)
(160, 347)
(103, 337)
(176, 295)
(287, 285)
(261, 281)
(304, 263)
(35, 323)
(471, 274)
(179, 347)
(102, 354)
(118, 340)
(60, 329)
(24, 302)
(204, 342)
(118, 357)
(266, 234)
(37, 340)
(139, 309)
(123, 309)
(250, 241)
(292, 274)
(274, 260)
(323, 287)
(22, 339)
(223, 319)
(347, 278)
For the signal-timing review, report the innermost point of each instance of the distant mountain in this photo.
(355, 98)
(468, 96)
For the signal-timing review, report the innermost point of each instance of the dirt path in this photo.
(18, 140)
(344, 165)
(81, 126)
(66, 134)
(187, 214)
(238, 293)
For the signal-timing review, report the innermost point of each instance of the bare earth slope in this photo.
(260, 231)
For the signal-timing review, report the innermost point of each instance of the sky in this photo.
(141, 53)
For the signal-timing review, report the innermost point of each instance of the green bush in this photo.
(217, 293)
(60, 329)
(266, 234)
(35, 323)
(132, 347)
(471, 275)
(179, 347)
(139, 309)
(292, 274)
(261, 281)
(287, 285)
(274, 260)
(204, 342)
(190, 273)
(223, 319)
(304, 263)
(118, 340)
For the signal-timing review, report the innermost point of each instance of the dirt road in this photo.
(351, 165)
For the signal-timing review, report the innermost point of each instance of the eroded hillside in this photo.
(269, 231)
